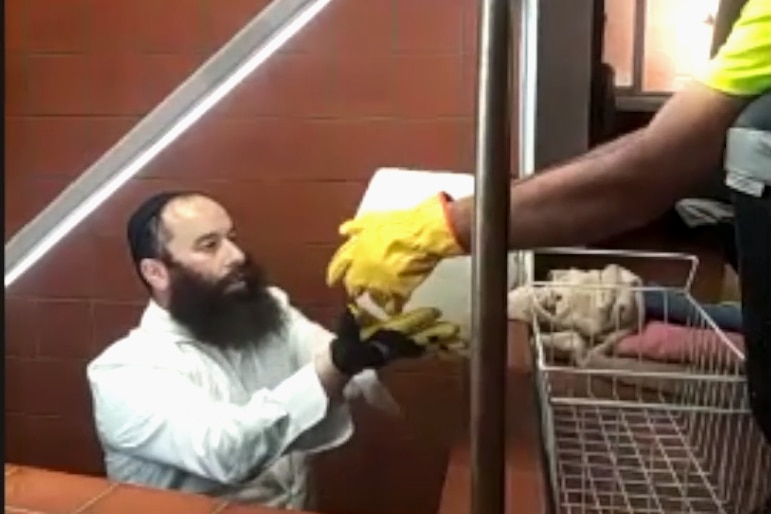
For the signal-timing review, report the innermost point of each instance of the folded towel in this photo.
(664, 342)
(673, 306)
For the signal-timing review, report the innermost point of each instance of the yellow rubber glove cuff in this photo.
(388, 254)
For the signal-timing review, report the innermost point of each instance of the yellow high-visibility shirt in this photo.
(742, 66)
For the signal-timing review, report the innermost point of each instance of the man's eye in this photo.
(210, 245)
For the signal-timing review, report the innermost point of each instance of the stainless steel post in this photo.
(489, 259)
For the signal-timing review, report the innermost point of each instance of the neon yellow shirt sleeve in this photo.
(742, 67)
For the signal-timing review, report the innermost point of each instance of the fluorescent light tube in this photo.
(252, 46)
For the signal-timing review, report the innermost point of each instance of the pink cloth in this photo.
(663, 342)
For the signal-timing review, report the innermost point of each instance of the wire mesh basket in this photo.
(630, 428)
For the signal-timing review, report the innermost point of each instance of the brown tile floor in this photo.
(38, 491)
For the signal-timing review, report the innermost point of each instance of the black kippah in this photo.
(142, 239)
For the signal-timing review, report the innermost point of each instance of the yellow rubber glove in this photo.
(388, 254)
(423, 326)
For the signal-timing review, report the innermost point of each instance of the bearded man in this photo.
(224, 388)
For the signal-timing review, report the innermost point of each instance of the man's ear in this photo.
(155, 273)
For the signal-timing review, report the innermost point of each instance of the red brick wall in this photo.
(370, 83)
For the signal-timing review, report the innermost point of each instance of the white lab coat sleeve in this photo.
(160, 414)
(308, 337)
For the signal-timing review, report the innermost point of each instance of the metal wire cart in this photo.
(627, 432)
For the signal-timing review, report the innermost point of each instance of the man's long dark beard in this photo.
(233, 312)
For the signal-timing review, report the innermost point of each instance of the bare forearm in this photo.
(575, 203)
(607, 148)
(619, 186)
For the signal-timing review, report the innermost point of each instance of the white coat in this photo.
(174, 413)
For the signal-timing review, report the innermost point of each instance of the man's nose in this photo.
(235, 254)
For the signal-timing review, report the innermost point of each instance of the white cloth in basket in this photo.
(581, 309)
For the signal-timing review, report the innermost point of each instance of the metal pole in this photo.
(529, 100)
(489, 260)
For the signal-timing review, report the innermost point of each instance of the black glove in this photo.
(351, 354)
